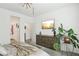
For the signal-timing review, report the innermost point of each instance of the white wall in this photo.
(5, 25)
(68, 16)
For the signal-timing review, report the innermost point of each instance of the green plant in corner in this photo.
(56, 45)
(68, 33)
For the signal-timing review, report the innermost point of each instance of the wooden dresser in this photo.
(45, 40)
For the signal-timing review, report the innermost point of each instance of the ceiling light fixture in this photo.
(29, 6)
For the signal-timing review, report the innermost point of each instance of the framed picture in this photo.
(49, 24)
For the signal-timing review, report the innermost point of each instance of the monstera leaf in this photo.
(74, 38)
(70, 32)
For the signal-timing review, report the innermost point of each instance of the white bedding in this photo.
(11, 50)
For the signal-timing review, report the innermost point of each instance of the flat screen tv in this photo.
(48, 24)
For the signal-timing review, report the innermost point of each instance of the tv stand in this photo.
(45, 40)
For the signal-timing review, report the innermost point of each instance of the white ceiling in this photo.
(39, 8)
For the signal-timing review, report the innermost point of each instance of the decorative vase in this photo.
(66, 40)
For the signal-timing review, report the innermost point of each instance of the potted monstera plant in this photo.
(69, 36)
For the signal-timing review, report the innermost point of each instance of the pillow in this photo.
(3, 51)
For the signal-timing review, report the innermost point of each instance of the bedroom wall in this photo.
(5, 25)
(68, 16)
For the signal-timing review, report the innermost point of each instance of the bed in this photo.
(22, 50)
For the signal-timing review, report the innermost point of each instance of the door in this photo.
(15, 28)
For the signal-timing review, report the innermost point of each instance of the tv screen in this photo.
(49, 24)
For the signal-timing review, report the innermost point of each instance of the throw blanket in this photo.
(17, 49)
(24, 50)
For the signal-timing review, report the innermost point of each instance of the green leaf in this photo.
(60, 29)
(70, 31)
(56, 46)
(74, 44)
(74, 38)
(78, 45)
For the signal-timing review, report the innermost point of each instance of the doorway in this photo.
(15, 28)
